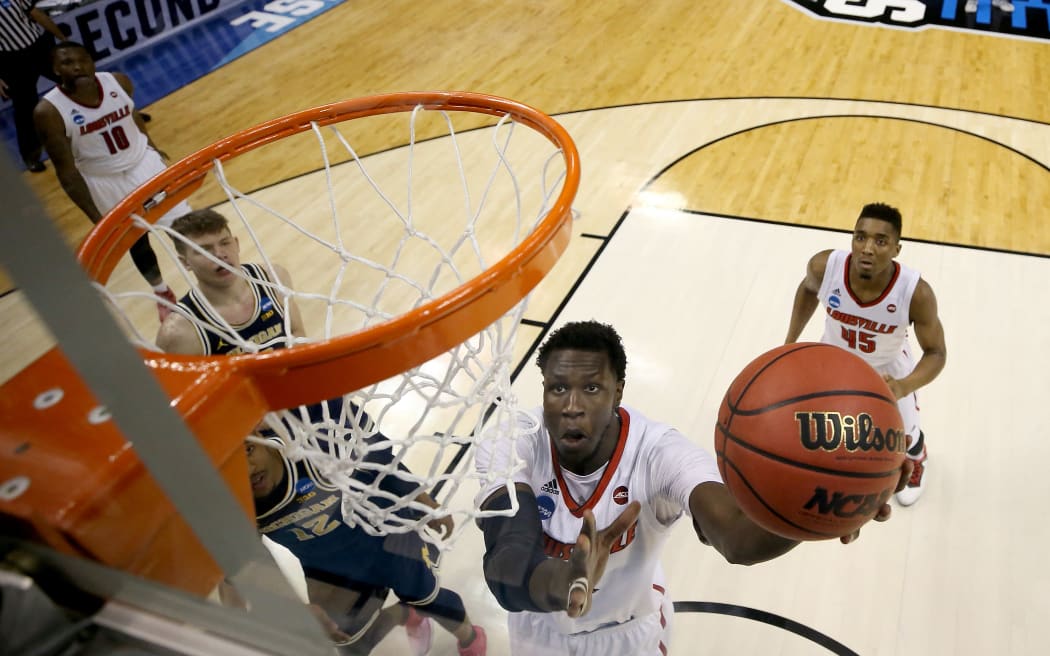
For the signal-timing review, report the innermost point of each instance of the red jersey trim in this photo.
(885, 292)
(101, 95)
(621, 443)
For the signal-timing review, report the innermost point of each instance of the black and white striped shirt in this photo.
(17, 30)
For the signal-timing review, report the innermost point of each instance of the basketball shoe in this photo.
(164, 310)
(1005, 5)
(477, 646)
(420, 632)
(916, 484)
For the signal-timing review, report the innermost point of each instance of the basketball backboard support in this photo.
(47, 273)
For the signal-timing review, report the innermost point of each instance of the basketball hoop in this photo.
(425, 352)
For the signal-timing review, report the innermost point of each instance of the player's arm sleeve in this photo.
(676, 467)
(513, 549)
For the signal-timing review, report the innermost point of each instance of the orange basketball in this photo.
(809, 441)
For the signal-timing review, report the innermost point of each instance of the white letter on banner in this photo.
(295, 7)
(272, 22)
(904, 11)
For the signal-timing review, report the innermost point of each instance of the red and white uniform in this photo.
(877, 330)
(653, 464)
(109, 150)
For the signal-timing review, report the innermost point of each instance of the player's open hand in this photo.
(443, 526)
(886, 510)
(590, 555)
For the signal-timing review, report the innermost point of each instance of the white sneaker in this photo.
(916, 484)
(1005, 5)
(971, 6)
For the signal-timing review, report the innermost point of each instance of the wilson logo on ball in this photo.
(829, 431)
(846, 505)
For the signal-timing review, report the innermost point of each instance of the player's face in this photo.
(265, 468)
(580, 396)
(73, 63)
(223, 246)
(875, 244)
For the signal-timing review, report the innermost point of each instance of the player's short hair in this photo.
(587, 336)
(882, 212)
(197, 223)
(69, 45)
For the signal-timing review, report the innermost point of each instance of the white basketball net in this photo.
(364, 241)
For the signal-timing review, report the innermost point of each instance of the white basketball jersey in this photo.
(653, 464)
(104, 139)
(877, 330)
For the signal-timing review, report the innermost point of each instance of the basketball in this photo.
(809, 441)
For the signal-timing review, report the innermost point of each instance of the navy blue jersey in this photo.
(304, 513)
(265, 327)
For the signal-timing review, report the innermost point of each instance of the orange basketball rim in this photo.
(96, 499)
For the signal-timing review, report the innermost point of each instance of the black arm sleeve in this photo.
(513, 550)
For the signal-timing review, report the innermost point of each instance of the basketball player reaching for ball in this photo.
(98, 143)
(349, 572)
(247, 301)
(257, 314)
(575, 588)
(870, 299)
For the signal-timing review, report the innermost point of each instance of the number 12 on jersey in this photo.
(859, 340)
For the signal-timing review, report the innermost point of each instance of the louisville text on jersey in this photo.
(861, 322)
(562, 550)
(111, 117)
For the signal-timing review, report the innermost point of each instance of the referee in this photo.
(27, 35)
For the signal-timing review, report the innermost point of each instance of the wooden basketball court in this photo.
(723, 143)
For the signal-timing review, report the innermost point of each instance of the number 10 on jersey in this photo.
(116, 139)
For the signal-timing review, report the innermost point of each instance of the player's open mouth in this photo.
(258, 480)
(573, 437)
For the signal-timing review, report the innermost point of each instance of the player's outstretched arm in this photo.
(519, 573)
(806, 300)
(720, 522)
(590, 555)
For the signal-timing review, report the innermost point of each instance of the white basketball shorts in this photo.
(108, 190)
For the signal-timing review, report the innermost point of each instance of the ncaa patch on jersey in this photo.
(545, 505)
(834, 301)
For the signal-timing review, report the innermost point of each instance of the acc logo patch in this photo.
(620, 495)
(545, 504)
(1029, 19)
